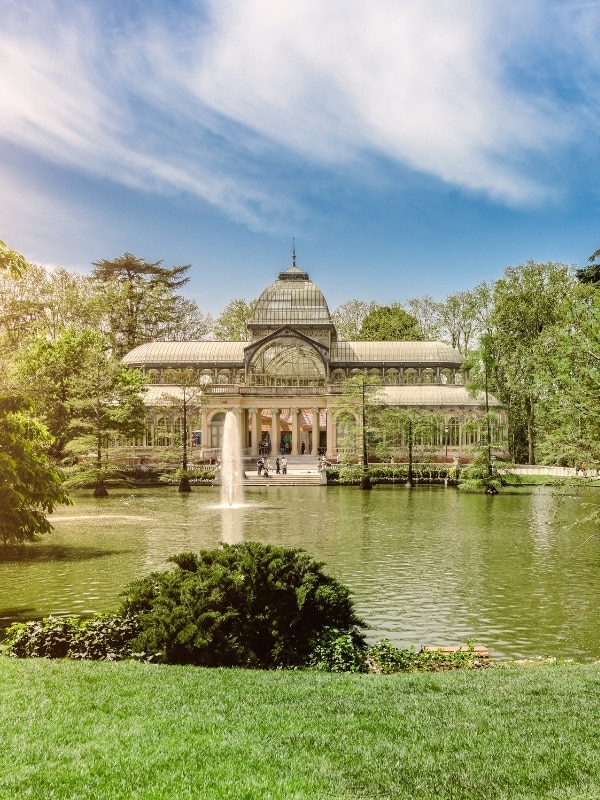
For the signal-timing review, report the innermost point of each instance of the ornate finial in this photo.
(293, 251)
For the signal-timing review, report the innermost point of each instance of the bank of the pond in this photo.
(128, 730)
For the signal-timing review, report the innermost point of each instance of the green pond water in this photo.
(431, 566)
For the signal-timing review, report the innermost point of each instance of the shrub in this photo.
(46, 638)
(383, 657)
(246, 604)
(104, 637)
(339, 653)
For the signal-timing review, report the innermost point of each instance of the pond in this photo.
(519, 572)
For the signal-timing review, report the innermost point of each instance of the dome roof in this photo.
(292, 299)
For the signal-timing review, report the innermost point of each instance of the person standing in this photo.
(302, 447)
(277, 467)
(284, 465)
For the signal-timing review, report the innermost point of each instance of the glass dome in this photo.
(292, 299)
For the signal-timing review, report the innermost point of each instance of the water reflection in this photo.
(428, 566)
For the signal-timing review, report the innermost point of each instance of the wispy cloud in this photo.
(220, 99)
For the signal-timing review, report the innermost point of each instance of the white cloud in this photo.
(212, 105)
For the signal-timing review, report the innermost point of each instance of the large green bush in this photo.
(245, 604)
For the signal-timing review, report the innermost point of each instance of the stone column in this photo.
(243, 428)
(330, 423)
(315, 431)
(295, 431)
(204, 426)
(255, 424)
(275, 436)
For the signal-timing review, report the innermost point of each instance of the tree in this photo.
(568, 381)
(187, 400)
(54, 371)
(140, 296)
(247, 605)
(390, 324)
(30, 487)
(527, 301)
(591, 273)
(348, 317)
(108, 402)
(231, 324)
(463, 316)
(402, 431)
(357, 411)
(22, 306)
(11, 262)
(427, 312)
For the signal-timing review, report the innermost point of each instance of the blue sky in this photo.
(409, 146)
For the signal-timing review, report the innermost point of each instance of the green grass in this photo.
(127, 730)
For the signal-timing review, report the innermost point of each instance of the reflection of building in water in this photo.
(285, 383)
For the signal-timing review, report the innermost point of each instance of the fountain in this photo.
(232, 472)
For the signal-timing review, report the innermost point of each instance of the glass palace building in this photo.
(285, 384)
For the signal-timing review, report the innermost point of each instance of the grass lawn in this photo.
(126, 730)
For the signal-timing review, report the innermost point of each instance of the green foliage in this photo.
(389, 324)
(591, 273)
(104, 637)
(243, 605)
(11, 262)
(528, 301)
(479, 476)
(348, 317)
(422, 472)
(231, 324)
(141, 299)
(30, 487)
(383, 657)
(80, 389)
(339, 652)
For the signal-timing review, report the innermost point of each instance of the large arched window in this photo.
(287, 362)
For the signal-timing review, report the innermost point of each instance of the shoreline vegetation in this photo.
(380, 474)
(128, 729)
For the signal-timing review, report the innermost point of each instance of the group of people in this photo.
(264, 467)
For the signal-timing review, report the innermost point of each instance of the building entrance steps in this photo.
(301, 471)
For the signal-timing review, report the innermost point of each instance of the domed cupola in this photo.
(292, 300)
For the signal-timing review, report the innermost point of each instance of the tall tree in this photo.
(427, 312)
(141, 295)
(568, 380)
(463, 316)
(527, 301)
(348, 317)
(231, 324)
(591, 273)
(54, 371)
(390, 323)
(109, 403)
(186, 401)
(30, 487)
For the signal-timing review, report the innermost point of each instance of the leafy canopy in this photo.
(30, 487)
(389, 324)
